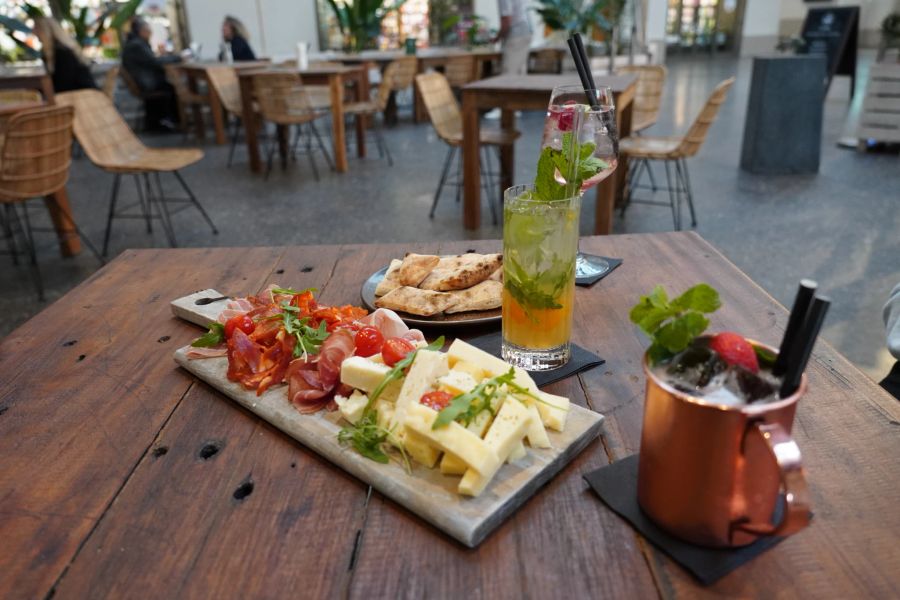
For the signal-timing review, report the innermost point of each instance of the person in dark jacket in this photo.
(147, 71)
(235, 34)
(65, 63)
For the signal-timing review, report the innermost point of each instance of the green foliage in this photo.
(673, 325)
(551, 161)
(537, 293)
(213, 337)
(580, 16)
(360, 20)
(367, 438)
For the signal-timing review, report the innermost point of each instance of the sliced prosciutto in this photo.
(313, 381)
(391, 325)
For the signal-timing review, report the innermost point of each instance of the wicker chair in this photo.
(183, 94)
(111, 145)
(459, 70)
(283, 100)
(109, 84)
(398, 75)
(34, 162)
(17, 96)
(443, 110)
(136, 92)
(645, 108)
(677, 150)
(224, 82)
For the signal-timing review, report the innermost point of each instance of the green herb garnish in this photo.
(397, 371)
(292, 291)
(539, 292)
(213, 337)
(553, 161)
(309, 339)
(673, 325)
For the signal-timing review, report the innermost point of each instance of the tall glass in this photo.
(540, 241)
(594, 124)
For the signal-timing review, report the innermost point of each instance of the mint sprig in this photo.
(553, 161)
(673, 325)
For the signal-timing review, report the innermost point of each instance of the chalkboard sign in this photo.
(833, 32)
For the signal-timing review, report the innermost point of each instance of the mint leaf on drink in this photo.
(673, 325)
(555, 163)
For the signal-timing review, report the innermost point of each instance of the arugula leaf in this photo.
(465, 407)
(673, 325)
(213, 337)
(309, 339)
(292, 291)
(366, 437)
(398, 369)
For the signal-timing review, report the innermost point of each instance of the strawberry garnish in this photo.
(735, 350)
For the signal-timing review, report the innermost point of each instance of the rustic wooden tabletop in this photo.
(121, 476)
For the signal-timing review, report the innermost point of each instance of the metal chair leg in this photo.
(689, 191)
(379, 139)
(234, 140)
(315, 132)
(309, 152)
(671, 195)
(145, 204)
(459, 178)
(11, 245)
(32, 252)
(447, 162)
(653, 186)
(679, 190)
(112, 211)
(162, 207)
(488, 182)
(84, 238)
(195, 202)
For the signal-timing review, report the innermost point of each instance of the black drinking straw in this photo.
(579, 44)
(801, 351)
(583, 72)
(795, 322)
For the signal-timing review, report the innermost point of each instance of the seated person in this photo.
(62, 56)
(892, 321)
(235, 34)
(147, 71)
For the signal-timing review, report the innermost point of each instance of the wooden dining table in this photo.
(57, 203)
(123, 476)
(335, 77)
(513, 93)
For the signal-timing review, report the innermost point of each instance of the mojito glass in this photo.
(540, 241)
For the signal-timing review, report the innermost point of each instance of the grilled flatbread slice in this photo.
(416, 267)
(461, 272)
(389, 282)
(497, 275)
(414, 301)
(484, 296)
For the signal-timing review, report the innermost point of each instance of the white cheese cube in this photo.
(452, 465)
(424, 372)
(480, 423)
(452, 438)
(352, 408)
(537, 435)
(419, 449)
(507, 430)
(366, 375)
(473, 371)
(461, 351)
(518, 452)
(456, 382)
(553, 410)
(384, 412)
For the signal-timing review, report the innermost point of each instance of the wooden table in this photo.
(335, 77)
(198, 71)
(118, 470)
(532, 92)
(36, 78)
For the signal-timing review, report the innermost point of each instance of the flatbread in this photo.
(414, 301)
(461, 272)
(497, 275)
(484, 296)
(389, 282)
(416, 267)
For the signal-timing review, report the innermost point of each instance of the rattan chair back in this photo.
(224, 82)
(696, 135)
(19, 96)
(459, 70)
(648, 95)
(441, 104)
(36, 153)
(101, 131)
(112, 78)
(282, 98)
(398, 75)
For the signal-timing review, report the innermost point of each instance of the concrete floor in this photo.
(839, 227)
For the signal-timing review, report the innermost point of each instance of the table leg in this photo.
(251, 127)
(471, 172)
(624, 126)
(614, 186)
(418, 105)
(336, 83)
(58, 206)
(47, 89)
(362, 94)
(218, 117)
(196, 108)
(507, 153)
(282, 133)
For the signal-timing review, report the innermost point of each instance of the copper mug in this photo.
(713, 474)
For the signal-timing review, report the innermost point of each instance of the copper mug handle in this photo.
(793, 484)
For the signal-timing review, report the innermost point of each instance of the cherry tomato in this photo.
(242, 322)
(437, 400)
(395, 350)
(368, 341)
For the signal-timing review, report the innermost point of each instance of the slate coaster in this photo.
(616, 484)
(581, 359)
(586, 281)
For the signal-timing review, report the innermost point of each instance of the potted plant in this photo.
(582, 16)
(360, 20)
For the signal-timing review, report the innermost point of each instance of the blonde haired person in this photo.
(235, 34)
(68, 67)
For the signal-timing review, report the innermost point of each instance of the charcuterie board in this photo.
(426, 492)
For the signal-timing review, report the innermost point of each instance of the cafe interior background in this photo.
(837, 224)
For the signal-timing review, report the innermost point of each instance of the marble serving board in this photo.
(425, 492)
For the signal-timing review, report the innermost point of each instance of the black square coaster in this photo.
(616, 484)
(581, 359)
(586, 281)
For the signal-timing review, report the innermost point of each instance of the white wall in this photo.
(284, 23)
